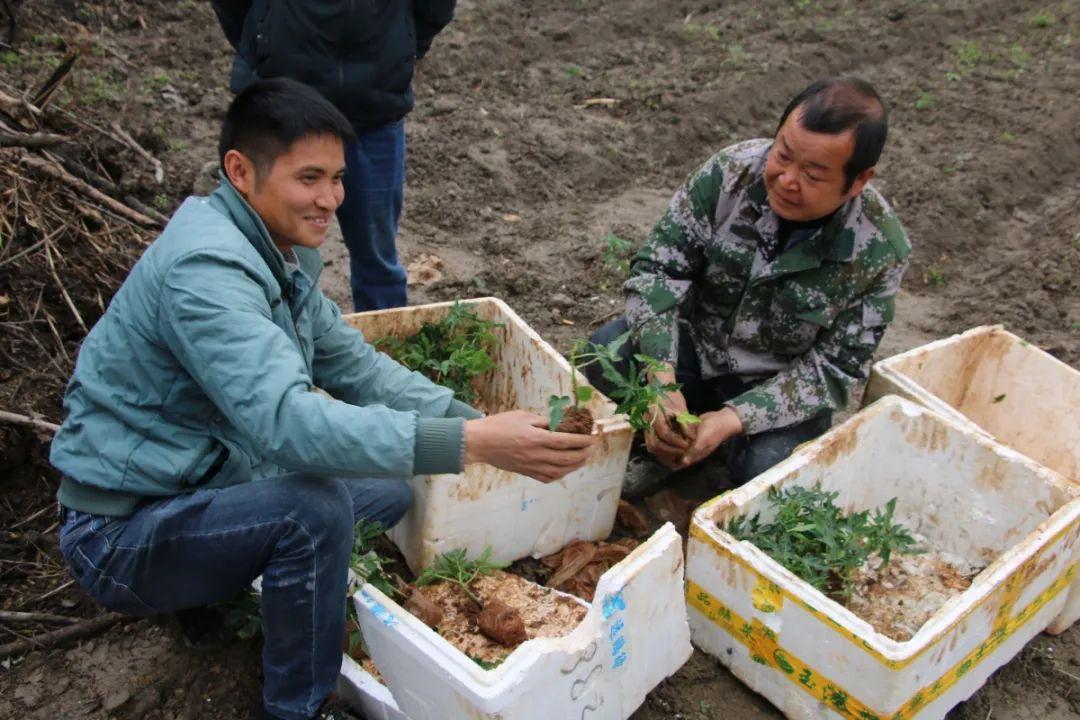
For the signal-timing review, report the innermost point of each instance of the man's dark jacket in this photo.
(358, 53)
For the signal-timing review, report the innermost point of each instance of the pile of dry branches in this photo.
(68, 235)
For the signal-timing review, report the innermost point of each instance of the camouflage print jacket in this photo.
(802, 327)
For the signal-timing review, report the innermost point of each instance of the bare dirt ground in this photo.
(515, 178)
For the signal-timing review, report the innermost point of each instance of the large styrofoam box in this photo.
(989, 379)
(967, 495)
(486, 507)
(633, 636)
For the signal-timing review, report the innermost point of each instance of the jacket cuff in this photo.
(440, 445)
(459, 409)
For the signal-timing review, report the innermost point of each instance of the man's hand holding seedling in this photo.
(714, 429)
(521, 442)
(667, 438)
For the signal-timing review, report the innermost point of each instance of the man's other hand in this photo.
(714, 429)
(664, 440)
(520, 442)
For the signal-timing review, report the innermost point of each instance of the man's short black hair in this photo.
(268, 116)
(835, 105)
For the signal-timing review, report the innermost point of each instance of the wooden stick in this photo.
(52, 592)
(17, 419)
(56, 336)
(33, 517)
(53, 638)
(159, 172)
(31, 140)
(63, 290)
(58, 173)
(13, 616)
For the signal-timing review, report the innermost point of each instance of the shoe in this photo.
(333, 708)
(203, 628)
(644, 476)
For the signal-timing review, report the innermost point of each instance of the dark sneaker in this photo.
(333, 709)
(644, 476)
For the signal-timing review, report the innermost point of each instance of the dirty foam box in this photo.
(633, 635)
(486, 507)
(993, 381)
(966, 496)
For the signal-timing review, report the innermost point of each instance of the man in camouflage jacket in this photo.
(767, 285)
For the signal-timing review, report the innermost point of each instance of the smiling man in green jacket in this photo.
(196, 453)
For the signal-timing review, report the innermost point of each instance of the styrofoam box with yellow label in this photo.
(632, 637)
(486, 507)
(967, 495)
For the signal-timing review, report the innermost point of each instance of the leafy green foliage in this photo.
(368, 564)
(242, 616)
(616, 253)
(558, 405)
(451, 352)
(812, 537)
(486, 664)
(924, 102)
(636, 391)
(578, 393)
(456, 568)
(687, 418)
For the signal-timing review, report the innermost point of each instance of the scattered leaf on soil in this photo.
(631, 519)
(581, 563)
(668, 506)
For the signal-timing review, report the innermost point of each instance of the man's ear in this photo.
(241, 171)
(860, 182)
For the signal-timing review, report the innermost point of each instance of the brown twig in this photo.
(159, 172)
(53, 638)
(63, 290)
(52, 592)
(58, 173)
(15, 617)
(56, 335)
(30, 140)
(33, 517)
(17, 419)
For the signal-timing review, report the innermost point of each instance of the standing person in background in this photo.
(359, 55)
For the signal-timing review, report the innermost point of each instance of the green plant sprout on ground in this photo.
(811, 537)
(455, 568)
(616, 253)
(450, 352)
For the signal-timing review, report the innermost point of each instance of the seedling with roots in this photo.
(636, 392)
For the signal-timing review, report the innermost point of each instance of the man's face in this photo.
(804, 173)
(299, 193)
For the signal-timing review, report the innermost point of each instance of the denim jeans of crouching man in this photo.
(203, 547)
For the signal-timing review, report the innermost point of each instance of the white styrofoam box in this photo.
(486, 507)
(989, 379)
(966, 494)
(361, 690)
(633, 636)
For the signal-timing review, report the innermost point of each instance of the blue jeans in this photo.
(205, 546)
(748, 455)
(374, 190)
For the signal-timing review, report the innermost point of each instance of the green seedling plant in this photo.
(557, 404)
(450, 352)
(616, 253)
(636, 392)
(812, 537)
(370, 567)
(455, 568)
